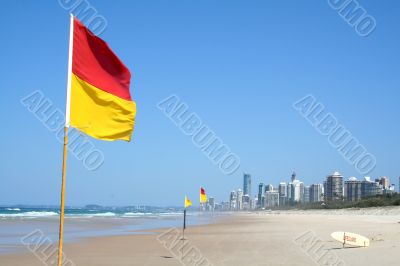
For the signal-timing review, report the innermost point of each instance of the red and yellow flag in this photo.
(203, 196)
(100, 101)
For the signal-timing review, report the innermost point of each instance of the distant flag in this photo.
(188, 203)
(203, 196)
(98, 98)
(99, 102)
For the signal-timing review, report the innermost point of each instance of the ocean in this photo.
(87, 211)
(18, 222)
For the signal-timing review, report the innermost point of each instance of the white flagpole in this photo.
(71, 44)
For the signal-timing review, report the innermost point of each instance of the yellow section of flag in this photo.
(100, 114)
(203, 196)
(188, 203)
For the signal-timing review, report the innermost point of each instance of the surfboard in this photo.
(347, 238)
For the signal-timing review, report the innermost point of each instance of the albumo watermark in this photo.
(86, 13)
(311, 245)
(43, 248)
(338, 136)
(355, 15)
(201, 134)
(80, 146)
(186, 253)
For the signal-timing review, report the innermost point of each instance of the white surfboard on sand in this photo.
(347, 238)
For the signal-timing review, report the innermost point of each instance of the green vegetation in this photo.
(377, 201)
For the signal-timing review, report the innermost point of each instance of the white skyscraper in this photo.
(239, 203)
(297, 192)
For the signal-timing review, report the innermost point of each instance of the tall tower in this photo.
(293, 176)
(247, 185)
(260, 203)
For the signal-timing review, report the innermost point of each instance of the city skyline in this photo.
(335, 187)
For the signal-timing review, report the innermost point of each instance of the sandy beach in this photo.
(263, 238)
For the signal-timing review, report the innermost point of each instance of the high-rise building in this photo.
(289, 195)
(260, 195)
(253, 203)
(239, 200)
(246, 202)
(232, 201)
(390, 190)
(384, 182)
(271, 199)
(293, 177)
(297, 193)
(352, 189)
(269, 187)
(315, 193)
(263, 200)
(306, 195)
(247, 185)
(334, 187)
(282, 189)
(301, 191)
(370, 188)
(323, 192)
(211, 204)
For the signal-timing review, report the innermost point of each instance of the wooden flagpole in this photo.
(65, 148)
(64, 170)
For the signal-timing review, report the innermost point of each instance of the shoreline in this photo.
(13, 230)
(259, 238)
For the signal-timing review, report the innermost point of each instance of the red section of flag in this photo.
(202, 191)
(94, 62)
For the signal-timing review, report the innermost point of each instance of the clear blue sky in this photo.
(238, 64)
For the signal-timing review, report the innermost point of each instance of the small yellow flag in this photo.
(188, 203)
